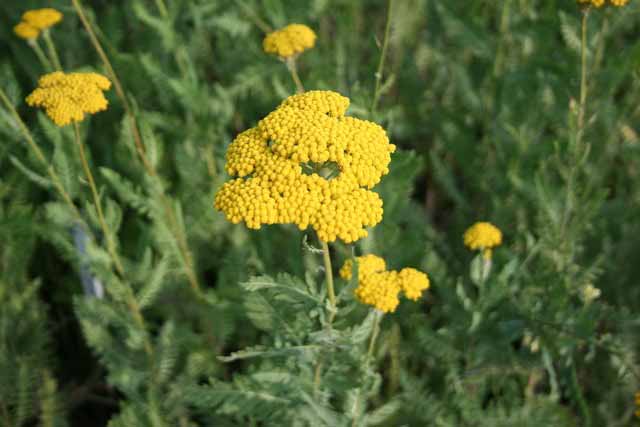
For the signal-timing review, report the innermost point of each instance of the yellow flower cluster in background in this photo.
(34, 21)
(67, 98)
(380, 288)
(311, 129)
(600, 3)
(637, 399)
(290, 40)
(483, 236)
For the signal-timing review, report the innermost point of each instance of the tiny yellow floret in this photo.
(483, 236)
(600, 3)
(381, 288)
(66, 98)
(289, 41)
(308, 130)
(26, 31)
(42, 18)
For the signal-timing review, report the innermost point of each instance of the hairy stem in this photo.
(326, 255)
(44, 61)
(53, 53)
(96, 201)
(293, 70)
(383, 57)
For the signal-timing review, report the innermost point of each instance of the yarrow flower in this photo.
(34, 21)
(483, 236)
(380, 288)
(289, 41)
(600, 3)
(308, 129)
(67, 98)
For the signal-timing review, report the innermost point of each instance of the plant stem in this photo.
(177, 232)
(326, 255)
(46, 64)
(374, 334)
(96, 200)
(584, 408)
(583, 76)
(162, 8)
(266, 28)
(57, 182)
(383, 57)
(53, 53)
(293, 70)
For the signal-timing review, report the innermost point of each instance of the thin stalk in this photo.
(46, 64)
(55, 179)
(53, 53)
(293, 70)
(584, 408)
(162, 8)
(266, 28)
(374, 334)
(326, 255)
(583, 76)
(96, 200)
(177, 232)
(383, 57)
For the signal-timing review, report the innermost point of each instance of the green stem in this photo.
(162, 8)
(326, 255)
(96, 200)
(293, 70)
(53, 53)
(57, 182)
(374, 334)
(584, 408)
(40, 54)
(583, 76)
(266, 28)
(383, 56)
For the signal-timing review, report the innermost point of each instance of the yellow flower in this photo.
(42, 18)
(67, 98)
(308, 130)
(483, 236)
(380, 288)
(637, 399)
(290, 40)
(600, 3)
(26, 31)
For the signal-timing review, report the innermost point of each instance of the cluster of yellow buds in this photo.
(308, 129)
(380, 288)
(35, 21)
(483, 236)
(289, 41)
(600, 3)
(67, 98)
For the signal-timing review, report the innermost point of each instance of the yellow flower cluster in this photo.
(34, 21)
(308, 129)
(379, 287)
(637, 399)
(600, 3)
(67, 98)
(290, 40)
(483, 236)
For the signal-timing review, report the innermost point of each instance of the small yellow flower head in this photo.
(380, 288)
(26, 31)
(308, 129)
(290, 40)
(483, 236)
(67, 98)
(42, 18)
(600, 3)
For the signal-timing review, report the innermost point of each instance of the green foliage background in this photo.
(479, 96)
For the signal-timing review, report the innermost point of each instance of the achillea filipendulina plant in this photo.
(309, 129)
(381, 288)
(42, 19)
(26, 31)
(600, 3)
(66, 98)
(483, 236)
(289, 41)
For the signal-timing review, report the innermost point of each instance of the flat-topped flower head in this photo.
(381, 288)
(66, 98)
(289, 41)
(42, 19)
(483, 236)
(308, 130)
(26, 31)
(600, 3)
